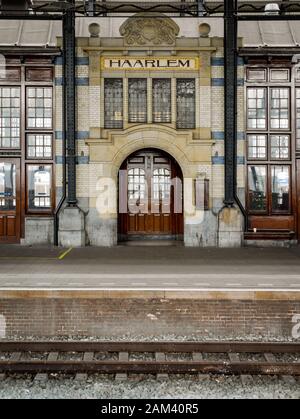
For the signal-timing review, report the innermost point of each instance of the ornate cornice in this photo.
(149, 30)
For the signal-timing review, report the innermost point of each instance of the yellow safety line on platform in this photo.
(64, 254)
(25, 258)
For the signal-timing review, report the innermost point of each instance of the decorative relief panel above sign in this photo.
(150, 29)
(158, 63)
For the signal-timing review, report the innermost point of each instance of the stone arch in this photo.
(158, 137)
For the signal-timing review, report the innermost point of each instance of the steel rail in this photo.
(151, 367)
(166, 347)
(233, 365)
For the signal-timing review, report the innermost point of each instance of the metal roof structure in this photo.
(44, 33)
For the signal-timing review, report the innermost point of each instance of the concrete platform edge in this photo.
(249, 295)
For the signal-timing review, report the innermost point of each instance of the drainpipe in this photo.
(64, 174)
(230, 91)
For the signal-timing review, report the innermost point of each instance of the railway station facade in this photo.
(149, 133)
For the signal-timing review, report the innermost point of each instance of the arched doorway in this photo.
(150, 197)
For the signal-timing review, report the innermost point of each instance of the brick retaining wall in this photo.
(147, 317)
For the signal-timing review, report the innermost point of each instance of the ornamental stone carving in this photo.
(150, 29)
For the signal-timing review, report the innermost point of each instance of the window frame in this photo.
(36, 86)
(38, 158)
(194, 103)
(269, 132)
(130, 79)
(106, 79)
(169, 79)
(46, 211)
(248, 128)
(20, 67)
(14, 86)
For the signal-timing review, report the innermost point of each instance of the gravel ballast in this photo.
(99, 387)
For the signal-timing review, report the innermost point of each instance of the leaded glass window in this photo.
(39, 107)
(186, 103)
(10, 117)
(137, 95)
(113, 103)
(161, 96)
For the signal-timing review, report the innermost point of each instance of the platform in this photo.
(149, 291)
(149, 268)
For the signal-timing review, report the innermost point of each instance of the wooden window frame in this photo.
(258, 159)
(28, 128)
(268, 162)
(21, 153)
(39, 158)
(46, 211)
(7, 149)
(266, 109)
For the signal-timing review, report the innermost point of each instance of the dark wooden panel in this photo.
(272, 222)
(39, 74)
(2, 221)
(141, 222)
(10, 219)
(11, 74)
(11, 226)
(38, 60)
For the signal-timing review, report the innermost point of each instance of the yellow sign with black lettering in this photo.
(150, 64)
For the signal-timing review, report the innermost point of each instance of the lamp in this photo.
(272, 9)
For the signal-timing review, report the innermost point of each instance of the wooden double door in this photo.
(150, 196)
(9, 200)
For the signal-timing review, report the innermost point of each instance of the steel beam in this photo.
(230, 92)
(70, 100)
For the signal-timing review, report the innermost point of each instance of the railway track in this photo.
(161, 358)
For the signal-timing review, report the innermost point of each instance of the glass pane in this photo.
(280, 147)
(9, 117)
(298, 117)
(257, 188)
(162, 184)
(39, 107)
(39, 187)
(279, 108)
(186, 103)
(161, 96)
(137, 92)
(113, 103)
(136, 184)
(39, 146)
(280, 188)
(257, 147)
(256, 108)
(7, 186)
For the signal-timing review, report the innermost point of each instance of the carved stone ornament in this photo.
(150, 29)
